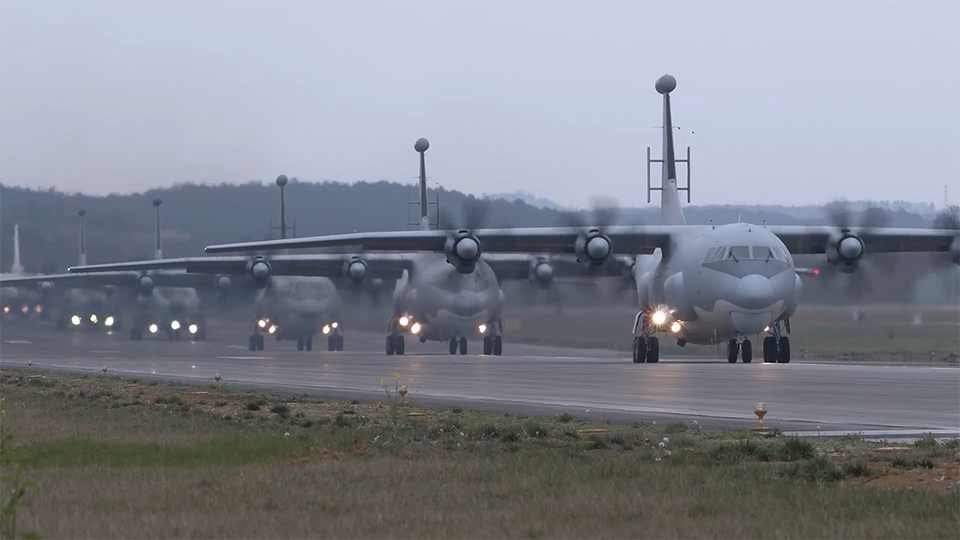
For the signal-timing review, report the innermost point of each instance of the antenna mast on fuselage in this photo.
(670, 211)
(423, 223)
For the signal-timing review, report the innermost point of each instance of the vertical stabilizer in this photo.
(17, 268)
(670, 211)
(421, 147)
(158, 250)
(83, 239)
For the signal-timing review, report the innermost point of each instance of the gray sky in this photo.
(782, 102)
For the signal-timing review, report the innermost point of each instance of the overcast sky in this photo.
(782, 102)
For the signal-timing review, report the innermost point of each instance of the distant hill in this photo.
(119, 227)
(529, 198)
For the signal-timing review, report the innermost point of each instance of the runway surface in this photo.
(879, 400)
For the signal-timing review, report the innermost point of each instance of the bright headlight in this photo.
(75, 320)
(192, 328)
(335, 325)
(659, 317)
(93, 318)
(6, 309)
(108, 321)
(415, 328)
(272, 329)
(25, 309)
(38, 308)
(326, 329)
(404, 321)
(262, 323)
(482, 328)
(675, 327)
(175, 325)
(153, 328)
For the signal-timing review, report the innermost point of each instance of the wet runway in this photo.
(879, 400)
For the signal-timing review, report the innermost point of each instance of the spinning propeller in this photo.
(846, 249)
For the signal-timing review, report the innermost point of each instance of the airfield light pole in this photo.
(158, 254)
(83, 245)
(282, 182)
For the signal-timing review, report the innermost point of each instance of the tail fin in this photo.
(17, 268)
(421, 146)
(83, 240)
(670, 211)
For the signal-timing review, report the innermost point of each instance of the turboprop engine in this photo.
(224, 283)
(463, 251)
(260, 271)
(593, 247)
(844, 251)
(145, 285)
(540, 273)
(355, 269)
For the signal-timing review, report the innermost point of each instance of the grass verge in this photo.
(119, 458)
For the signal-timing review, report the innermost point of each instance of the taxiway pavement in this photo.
(879, 400)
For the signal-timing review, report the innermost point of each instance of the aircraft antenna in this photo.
(83, 243)
(158, 253)
(282, 183)
(651, 189)
(422, 202)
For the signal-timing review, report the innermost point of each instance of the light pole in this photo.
(158, 254)
(83, 244)
(282, 182)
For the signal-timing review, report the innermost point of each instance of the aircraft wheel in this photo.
(176, 335)
(331, 343)
(136, 334)
(783, 355)
(308, 343)
(653, 350)
(400, 345)
(201, 335)
(497, 345)
(746, 351)
(769, 349)
(453, 345)
(639, 350)
(732, 351)
(259, 342)
(463, 345)
(340, 342)
(252, 343)
(299, 343)
(391, 345)
(487, 345)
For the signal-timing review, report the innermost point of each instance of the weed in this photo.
(900, 462)
(456, 409)
(341, 421)
(857, 469)
(175, 399)
(796, 449)
(566, 417)
(675, 427)
(306, 423)
(535, 429)
(599, 443)
(255, 405)
(925, 463)
(220, 404)
(509, 436)
(928, 442)
(819, 469)
(488, 430)
(280, 409)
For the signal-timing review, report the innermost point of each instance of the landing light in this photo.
(6, 309)
(272, 329)
(326, 329)
(766, 329)
(482, 328)
(108, 321)
(175, 325)
(153, 328)
(404, 321)
(192, 328)
(262, 323)
(75, 320)
(334, 325)
(415, 328)
(25, 309)
(93, 318)
(675, 327)
(38, 308)
(659, 317)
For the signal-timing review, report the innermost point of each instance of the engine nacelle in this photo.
(463, 251)
(145, 285)
(260, 270)
(593, 248)
(355, 270)
(844, 251)
(540, 273)
(223, 285)
(46, 287)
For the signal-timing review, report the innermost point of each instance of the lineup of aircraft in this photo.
(695, 284)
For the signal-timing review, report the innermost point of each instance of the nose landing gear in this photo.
(395, 342)
(741, 347)
(776, 348)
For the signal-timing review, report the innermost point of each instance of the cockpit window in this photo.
(764, 253)
(740, 253)
(715, 254)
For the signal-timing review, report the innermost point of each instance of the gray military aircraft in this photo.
(697, 284)
(165, 302)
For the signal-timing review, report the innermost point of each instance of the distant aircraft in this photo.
(697, 284)
(432, 300)
(17, 302)
(165, 302)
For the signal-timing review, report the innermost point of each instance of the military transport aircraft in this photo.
(16, 302)
(166, 302)
(697, 284)
(432, 301)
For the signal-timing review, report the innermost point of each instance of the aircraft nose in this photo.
(754, 292)
(466, 304)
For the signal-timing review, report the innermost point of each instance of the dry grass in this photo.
(128, 460)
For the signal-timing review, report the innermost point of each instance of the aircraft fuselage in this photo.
(298, 307)
(717, 284)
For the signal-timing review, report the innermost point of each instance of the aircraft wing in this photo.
(812, 240)
(625, 240)
(548, 240)
(99, 279)
(510, 266)
(380, 265)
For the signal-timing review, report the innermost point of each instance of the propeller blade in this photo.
(838, 213)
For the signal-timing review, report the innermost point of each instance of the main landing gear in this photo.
(776, 348)
(646, 346)
(335, 342)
